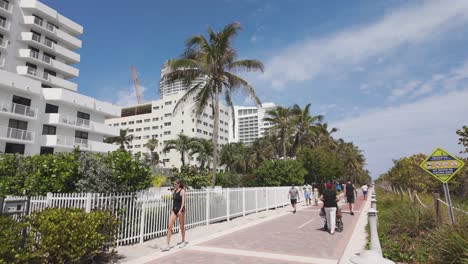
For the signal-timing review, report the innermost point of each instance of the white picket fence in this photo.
(145, 216)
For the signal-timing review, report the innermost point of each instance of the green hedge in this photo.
(65, 235)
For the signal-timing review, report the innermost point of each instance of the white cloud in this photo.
(404, 90)
(393, 132)
(412, 24)
(127, 96)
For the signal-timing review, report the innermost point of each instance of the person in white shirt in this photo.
(364, 189)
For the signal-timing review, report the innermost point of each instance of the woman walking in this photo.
(329, 203)
(178, 212)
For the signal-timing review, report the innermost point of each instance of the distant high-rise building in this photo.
(249, 124)
(40, 110)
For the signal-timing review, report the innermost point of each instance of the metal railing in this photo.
(72, 142)
(18, 109)
(3, 42)
(145, 215)
(31, 71)
(50, 27)
(3, 23)
(36, 37)
(38, 21)
(18, 134)
(74, 121)
(34, 54)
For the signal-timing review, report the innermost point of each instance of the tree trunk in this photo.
(215, 138)
(182, 158)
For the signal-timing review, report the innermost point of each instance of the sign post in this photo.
(443, 166)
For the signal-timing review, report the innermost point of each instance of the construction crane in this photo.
(136, 84)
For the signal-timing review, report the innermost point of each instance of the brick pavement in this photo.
(292, 238)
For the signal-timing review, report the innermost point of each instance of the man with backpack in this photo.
(349, 188)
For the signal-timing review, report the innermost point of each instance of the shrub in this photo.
(447, 244)
(192, 176)
(13, 248)
(72, 235)
(280, 173)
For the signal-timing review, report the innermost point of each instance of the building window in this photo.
(21, 100)
(47, 151)
(182, 122)
(123, 123)
(156, 119)
(14, 148)
(146, 129)
(147, 120)
(167, 124)
(167, 133)
(138, 129)
(155, 127)
(168, 103)
(137, 138)
(116, 124)
(83, 115)
(154, 136)
(81, 134)
(199, 131)
(131, 122)
(49, 130)
(137, 146)
(205, 123)
(50, 108)
(167, 115)
(17, 124)
(155, 107)
(146, 137)
(139, 121)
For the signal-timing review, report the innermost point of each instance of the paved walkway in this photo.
(284, 238)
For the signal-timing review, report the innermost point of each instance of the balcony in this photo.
(75, 99)
(52, 15)
(49, 46)
(11, 81)
(18, 111)
(50, 30)
(16, 135)
(46, 78)
(82, 124)
(60, 141)
(44, 60)
(2, 62)
(3, 43)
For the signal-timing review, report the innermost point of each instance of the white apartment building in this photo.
(249, 124)
(156, 120)
(40, 110)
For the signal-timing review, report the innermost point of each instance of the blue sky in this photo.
(391, 75)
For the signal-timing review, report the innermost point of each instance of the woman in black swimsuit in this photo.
(178, 212)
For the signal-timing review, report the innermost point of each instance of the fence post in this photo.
(142, 221)
(228, 205)
(256, 200)
(207, 207)
(437, 207)
(89, 197)
(243, 201)
(49, 199)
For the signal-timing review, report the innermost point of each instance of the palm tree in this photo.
(282, 124)
(260, 150)
(182, 144)
(234, 157)
(324, 135)
(204, 149)
(304, 125)
(208, 67)
(151, 145)
(123, 139)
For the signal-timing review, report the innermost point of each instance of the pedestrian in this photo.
(307, 194)
(330, 204)
(177, 213)
(350, 195)
(338, 187)
(293, 194)
(364, 189)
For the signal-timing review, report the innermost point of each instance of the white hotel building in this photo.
(155, 119)
(249, 123)
(40, 109)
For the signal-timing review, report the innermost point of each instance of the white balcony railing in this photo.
(74, 121)
(72, 142)
(4, 24)
(16, 134)
(34, 54)
(18, 109)
(38, 21)
(31, 71)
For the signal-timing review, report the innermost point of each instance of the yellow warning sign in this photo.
(442, 165)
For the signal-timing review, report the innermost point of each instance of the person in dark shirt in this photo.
(350, 195)
(329, 203)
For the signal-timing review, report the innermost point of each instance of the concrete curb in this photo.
(358, 239)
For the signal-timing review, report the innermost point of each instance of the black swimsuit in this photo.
(177, 202)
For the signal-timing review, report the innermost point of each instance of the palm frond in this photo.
(246, 65)
(186, 97)
(235, 82)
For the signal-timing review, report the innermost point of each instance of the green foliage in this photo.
(72, 235)
(463, 140)
(280, 173)
(11, 240)
(322, 165)
(447, 244)
(192, 176)
(157, 180)
(232, 180)
(72, 172)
